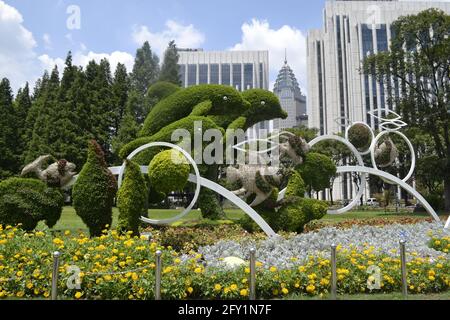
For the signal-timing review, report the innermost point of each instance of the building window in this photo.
(214, 74)
(261, 76)
(226, 74)
(382, 41)
(237, 76)
(203, 74)
(248, 76)
(182, 73)
(192, 75)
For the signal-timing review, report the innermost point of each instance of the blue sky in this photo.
(35, 35)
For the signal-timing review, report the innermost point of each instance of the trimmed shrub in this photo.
(360, 136)
(297, 212)
(168, 171)
(94, 191)
(28, 201)
(131, 199)
(209, 204)
(296, 186)
(227, 103)
(264, 105)
(161, 90)
(317, 171)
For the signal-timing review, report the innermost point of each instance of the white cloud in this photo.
(17, 50)
(114, 58)
(258, 35)
(47, 41)
(48, 63)
(185, 36)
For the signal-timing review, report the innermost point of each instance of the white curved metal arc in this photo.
(394, 179)
(237, 201)
(192, 162)
(410, 146)
(359, 159)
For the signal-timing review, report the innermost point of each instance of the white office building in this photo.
(338, 94)
(242, 70)
(292, 100)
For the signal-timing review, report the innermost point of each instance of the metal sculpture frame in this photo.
(388, 126)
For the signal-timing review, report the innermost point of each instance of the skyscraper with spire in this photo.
(291, 98)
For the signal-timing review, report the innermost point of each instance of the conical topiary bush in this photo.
(94, 191)
(131, 199)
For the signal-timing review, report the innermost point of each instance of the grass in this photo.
(70, 221)
(377, 296)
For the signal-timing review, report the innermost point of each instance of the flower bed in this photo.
(441, 243)
(120, 267)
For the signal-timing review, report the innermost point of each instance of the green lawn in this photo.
(390, 296)
(70, 221)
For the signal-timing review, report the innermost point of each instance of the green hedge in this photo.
(161, 90)
(264, 105)
(131, 199)
(180, 105)
(360, 136)
(317, 171)
(296, 186)
(28, 201)
(94, 191)
(169, 171)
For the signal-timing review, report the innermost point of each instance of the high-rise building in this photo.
(242, 70)
(291, 98)
(337, 92)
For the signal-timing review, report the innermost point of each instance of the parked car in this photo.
(373, 202)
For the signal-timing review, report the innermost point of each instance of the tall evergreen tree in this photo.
(100, 104)
(22, 106)
(120, 89)
(170, 71)
(41, 140)
(145, 70)
(8, 132)
(128, 131)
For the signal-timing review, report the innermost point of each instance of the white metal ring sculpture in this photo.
(200, 182)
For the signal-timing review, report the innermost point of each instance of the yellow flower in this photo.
(29, 285)
(134, 276)
(217, 287)
(285, 291)
(244, 292)
(310, 288)
(107, 277)
(273, 269)
(247, 270)
(233, 287)
(78, 295)
(431, 278)
(20, 294)
(67, 232)
(198, 270)
(190, 290)
(58, 242)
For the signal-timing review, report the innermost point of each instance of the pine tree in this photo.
(145, 69)
(100, 104)
(128, 131)
(22, 106)
(170, 70)
(8, 132)
(120, 89)
(41, 142)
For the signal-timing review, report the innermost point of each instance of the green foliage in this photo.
(145, 70)
(131, 199)
(436, 200)
(120, 88)
(161, 90)
(297, 212)
(317, 171)
(306, 133)
(264, 105)
(296, 186)
(8, 132)
(403, 62)
(429, 172)
(170, 70)
(28, 201)
(227, 105)
(262, 184)
(359, 135)
(22, 106)
(94, 191)
(209, 204)
(128, 132)
(168, 171)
